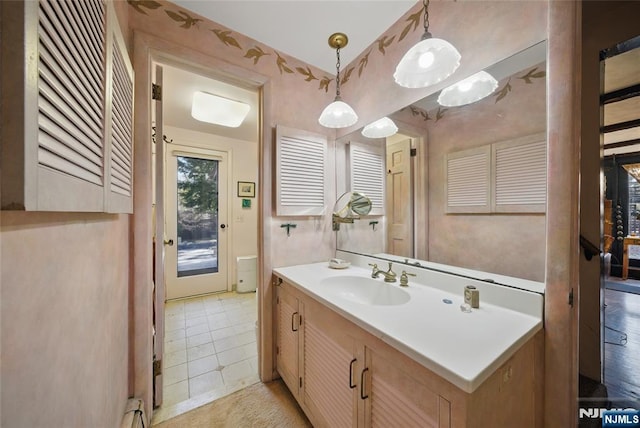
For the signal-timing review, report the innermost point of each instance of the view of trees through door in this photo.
(197, 214)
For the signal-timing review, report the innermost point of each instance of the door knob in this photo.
(222, 226)
(169, 242)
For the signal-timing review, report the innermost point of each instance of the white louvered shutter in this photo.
(121, 131)
(71, 58)
(301, 172)
(468, 181)
(367, 173)
(520, 175)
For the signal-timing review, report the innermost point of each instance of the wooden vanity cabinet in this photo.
(347, 377)
(288, 319)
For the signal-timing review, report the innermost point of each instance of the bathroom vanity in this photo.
(357, 351)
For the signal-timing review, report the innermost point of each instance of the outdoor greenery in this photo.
(198, 184)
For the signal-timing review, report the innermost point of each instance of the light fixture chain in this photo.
(338, 72)
(425, 4)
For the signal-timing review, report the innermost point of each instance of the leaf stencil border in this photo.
(183, 19)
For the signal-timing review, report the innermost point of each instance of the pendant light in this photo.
(469, 90)
(381, 128)
(338, 114)
(429, 61)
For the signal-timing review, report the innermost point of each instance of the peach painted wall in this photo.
(65, 291)
(64, 281)
(506, 244)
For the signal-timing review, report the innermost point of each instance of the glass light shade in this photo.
(381, 128)
(338, 114)
(469, 90)
(427, 63)
(218, 110)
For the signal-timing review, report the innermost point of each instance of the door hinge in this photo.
(413, 152)
(571, 298)
(156, 92)
(157, 368)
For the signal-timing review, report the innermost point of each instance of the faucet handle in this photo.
(375, 266)
(390, 264)
(404, 278)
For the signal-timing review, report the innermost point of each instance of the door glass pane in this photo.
(197, 216)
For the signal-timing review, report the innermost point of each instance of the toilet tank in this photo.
(247, 274)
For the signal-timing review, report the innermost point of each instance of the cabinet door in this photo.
(330, 370)
(288, 326)
(394, 398)
(67, 105)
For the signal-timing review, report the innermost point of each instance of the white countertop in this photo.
(463, 348)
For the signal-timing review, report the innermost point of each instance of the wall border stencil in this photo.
(184, 19)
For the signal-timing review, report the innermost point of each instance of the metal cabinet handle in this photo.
(364, 397)
(293, 315)
(351, 384)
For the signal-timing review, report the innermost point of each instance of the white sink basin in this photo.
(367, 291)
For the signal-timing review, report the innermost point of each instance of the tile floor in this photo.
(210, 348)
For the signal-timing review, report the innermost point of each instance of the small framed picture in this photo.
(246, 203)
(246, 189)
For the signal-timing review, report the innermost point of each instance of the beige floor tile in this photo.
(174, 308)
(175, 374)
(175, 345)
(193, 305)
(200, 351)
(250, 349)
(170, 336)
(174, 317)
(197, 329)
(175, 393)
(244, 327)
(174, 358)
(222, 333)
(234, 372)
(198, 339)
(231, 356)
(205, 382)
(220, 323)
(170, 325)
(254, 363)
(190, 322)
(226, 343)
(202, 365)
(245, 338)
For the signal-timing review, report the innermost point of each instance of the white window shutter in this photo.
(521, 175)
(301, 172)
(120, 134)
(468, 181)
(367, 173)
(71, 57)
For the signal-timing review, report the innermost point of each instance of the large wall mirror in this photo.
(422, 214)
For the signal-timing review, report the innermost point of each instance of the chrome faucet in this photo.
(389, 276)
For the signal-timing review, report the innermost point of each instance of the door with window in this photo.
(196, 221)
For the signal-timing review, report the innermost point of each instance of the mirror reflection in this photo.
(459, 186)
(349, 207)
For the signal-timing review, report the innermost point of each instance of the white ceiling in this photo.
(301, 28)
